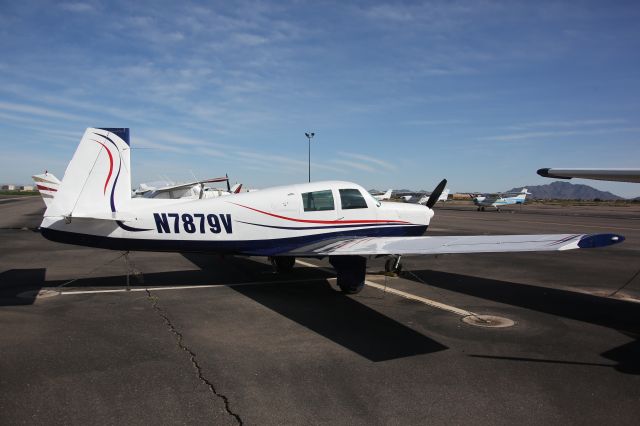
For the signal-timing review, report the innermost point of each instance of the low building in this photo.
(9, 187)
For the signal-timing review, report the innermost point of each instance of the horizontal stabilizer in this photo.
(115, 216)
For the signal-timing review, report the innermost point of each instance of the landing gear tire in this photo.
(481, 209)
(351, 272)
(282, 264)
(393, 265)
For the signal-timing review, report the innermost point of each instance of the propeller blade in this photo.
(433, 198)
(228, 186)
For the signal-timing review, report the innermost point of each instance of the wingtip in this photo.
(600, 240)
(545, 172)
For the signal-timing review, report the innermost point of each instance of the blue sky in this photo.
(399, 94)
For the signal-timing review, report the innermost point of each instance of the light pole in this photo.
(309, 135)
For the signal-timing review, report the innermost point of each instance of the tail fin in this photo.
(235, 189)
(523, 194)
(387, 194)
(445, 195)
(47, 185)
(97, 182)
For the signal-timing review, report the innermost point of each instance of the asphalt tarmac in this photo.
(207, 340)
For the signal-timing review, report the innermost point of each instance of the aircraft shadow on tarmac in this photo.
(615, 314)
(326, 311)
(310, 302)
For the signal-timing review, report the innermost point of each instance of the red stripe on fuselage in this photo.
(104, 191)
(328, 222)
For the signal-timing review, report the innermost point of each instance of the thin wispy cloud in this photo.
(559, 133)
(355, 165)
(570, 123)
(370, 160)
(78, 7)
(38, 111)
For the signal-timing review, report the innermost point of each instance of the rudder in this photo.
(98, 178)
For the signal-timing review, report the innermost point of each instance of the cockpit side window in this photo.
(352, 199)
(318, 201)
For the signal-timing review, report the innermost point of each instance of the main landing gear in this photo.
(283, 264)
(351, 270)
(393, 265)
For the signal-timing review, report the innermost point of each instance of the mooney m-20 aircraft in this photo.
(500, 199)
(93, 207)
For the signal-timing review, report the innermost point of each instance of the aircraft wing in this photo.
(190, 184)
(619, 175)
(490, 198)
(455, 244)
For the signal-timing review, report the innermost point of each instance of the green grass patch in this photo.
(19, 193)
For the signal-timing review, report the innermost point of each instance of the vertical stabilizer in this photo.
(98, 179)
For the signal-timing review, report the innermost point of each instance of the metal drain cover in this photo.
(489, 321)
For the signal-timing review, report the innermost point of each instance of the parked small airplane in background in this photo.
(93, 207)
(47, 184)
(191, 190)
(423, 200)
(618, 175)
(500, 199)
(385, 196)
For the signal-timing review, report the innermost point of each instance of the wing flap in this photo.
(457, 244)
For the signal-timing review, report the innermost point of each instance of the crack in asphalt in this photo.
(192, 355)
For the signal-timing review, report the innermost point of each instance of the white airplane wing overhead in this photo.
(456, 244)
(189, 184)
(619, 175)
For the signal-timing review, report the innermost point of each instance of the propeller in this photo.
(228, 186)
(433, 198)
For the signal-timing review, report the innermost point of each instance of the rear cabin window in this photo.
(352, 199)
(318, 201)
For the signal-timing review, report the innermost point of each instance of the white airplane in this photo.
(618, 175)
(443, 197)
(93, 207)
(500, 199)
(191, 190)
(385, 196)
(47, 184)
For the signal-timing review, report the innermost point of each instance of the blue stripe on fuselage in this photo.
(267, 247)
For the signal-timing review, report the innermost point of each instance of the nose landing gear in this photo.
(393, 265)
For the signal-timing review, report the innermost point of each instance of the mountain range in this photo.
(567, 191)
(553, 191)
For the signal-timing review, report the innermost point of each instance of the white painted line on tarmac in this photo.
(401, 293)
(184, 287)
(420, 299)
